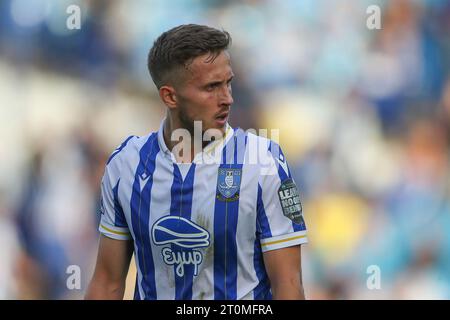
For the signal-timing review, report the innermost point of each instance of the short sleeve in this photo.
(279, 210)
(112, 221)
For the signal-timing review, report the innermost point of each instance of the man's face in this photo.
(205, 95)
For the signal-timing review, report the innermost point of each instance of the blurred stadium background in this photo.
(364, 118)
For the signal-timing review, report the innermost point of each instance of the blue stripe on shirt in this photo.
(181, 205)
(117, 151)
(119, 219)
(140, 214)
(261, 216)
(262, 290)
(225, 226)
(137, 296)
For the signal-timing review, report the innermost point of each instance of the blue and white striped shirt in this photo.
(200, 229)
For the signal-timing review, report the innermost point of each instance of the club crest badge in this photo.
(228, 184)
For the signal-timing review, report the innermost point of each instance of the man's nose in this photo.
(226, 96)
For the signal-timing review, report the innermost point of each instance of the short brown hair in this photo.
(177, 48)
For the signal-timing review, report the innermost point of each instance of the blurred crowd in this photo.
(364, 119)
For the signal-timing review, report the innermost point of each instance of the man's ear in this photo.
(169, 96)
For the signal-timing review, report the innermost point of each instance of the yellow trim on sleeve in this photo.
(284, 240)
(115, 232)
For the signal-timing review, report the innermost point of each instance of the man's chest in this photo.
(198, 202)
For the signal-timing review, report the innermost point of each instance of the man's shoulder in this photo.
(129, 148)
(256, 142)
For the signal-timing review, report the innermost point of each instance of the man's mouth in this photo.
(222, 118)
(223, 115)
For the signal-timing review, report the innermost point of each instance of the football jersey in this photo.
(200, 229)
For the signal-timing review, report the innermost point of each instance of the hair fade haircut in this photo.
(177, 47)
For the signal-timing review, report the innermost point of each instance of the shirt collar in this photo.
(210, 150)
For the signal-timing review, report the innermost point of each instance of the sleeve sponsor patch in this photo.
(290, 201)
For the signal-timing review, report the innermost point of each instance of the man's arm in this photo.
(113, 261)
(283, 267)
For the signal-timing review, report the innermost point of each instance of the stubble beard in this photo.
(186, 122)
